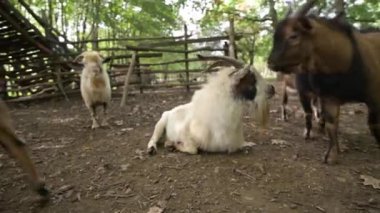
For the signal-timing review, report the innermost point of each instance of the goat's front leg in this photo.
(307, 108)
(95, 123)
(374, 122)
(318, 113)
(331, 110)
(16, 148)
(105, 115)
(284, 115)
(159, 129)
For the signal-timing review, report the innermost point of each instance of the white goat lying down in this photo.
(212, 121)
(94, 85)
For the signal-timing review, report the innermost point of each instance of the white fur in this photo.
(212, 121)
(95, 84)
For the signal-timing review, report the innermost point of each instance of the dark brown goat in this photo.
(308, 99)
(16, 148)
(343, 66)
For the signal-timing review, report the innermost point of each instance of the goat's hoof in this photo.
(152, 150)
(95, 126)
(105, 124)
(170, 148)
(43, 192)
(330, 159)
(307, 135)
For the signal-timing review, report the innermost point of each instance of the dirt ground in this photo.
(107, 170)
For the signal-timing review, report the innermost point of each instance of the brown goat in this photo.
(16, 148)
(343, 66)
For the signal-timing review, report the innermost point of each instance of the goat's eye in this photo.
(293, 37)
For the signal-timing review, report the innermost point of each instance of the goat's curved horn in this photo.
(79, 57)
(234, 62)
(217, 64)
(302, 11)
(289, 13)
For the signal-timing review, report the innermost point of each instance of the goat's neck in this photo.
(332, 51)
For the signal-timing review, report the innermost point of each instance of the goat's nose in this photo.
(272, 66)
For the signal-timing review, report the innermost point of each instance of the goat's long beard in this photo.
(260, 110)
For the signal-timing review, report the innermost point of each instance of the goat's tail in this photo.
(159, 130)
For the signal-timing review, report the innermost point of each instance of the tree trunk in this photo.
(339, 6)
(252, 53)
(62, 7)
(273, 13)
(50, 12)
(126, 80)
(95, 26)
(274, 17)
(231, 34)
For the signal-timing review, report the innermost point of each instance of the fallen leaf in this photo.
(279, 142)
(119, 123)
(370, 181)
(155, 209)
(64, 189)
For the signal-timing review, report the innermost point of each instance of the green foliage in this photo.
(116, 17)
(78, 19)
(254, 21)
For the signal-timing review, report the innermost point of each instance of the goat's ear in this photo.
(304, 25)
(289, 13)
(79, 59)
(239, 74)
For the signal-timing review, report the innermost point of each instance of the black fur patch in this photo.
(246, 88)
(43, 191)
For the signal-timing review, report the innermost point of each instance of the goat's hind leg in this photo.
(331, 111)
(16, 148)
(374, 123)
(159, 130)
(105, 115)
(95, 123)
(284, 115)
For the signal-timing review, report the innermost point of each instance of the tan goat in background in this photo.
(94, 85)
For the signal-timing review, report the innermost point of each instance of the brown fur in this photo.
(16, 148)
(343, 63)
(98, 83)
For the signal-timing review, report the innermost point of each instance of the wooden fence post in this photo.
(126, 80)
(139, 75)
(231, 35)
(187, 62)
(3, 84)
(57, 72)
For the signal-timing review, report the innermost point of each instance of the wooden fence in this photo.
(47, 69)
